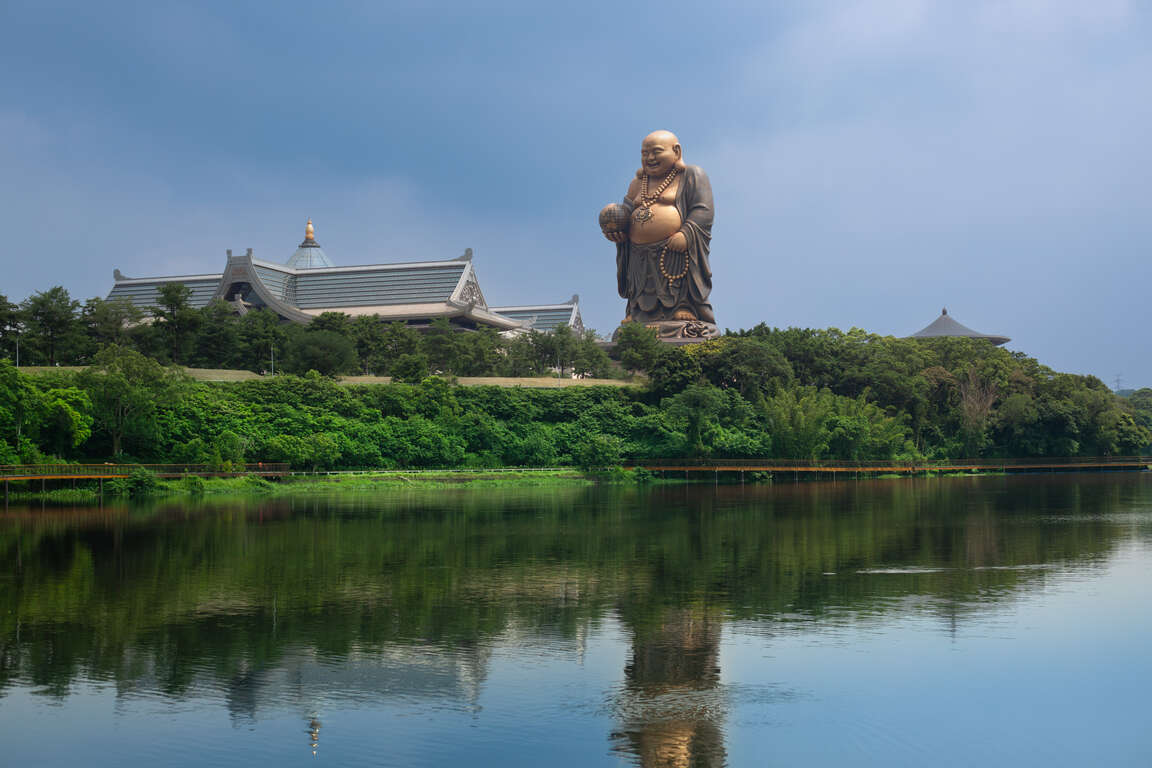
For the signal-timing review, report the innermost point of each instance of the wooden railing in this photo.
(100, 471)
(865, 465)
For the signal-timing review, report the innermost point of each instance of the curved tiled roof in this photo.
(946, 326)
(145, 292)
(545, 317)
(378, 284)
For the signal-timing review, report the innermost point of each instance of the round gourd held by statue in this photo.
(614, 218)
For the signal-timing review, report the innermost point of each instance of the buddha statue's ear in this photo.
(679, 155)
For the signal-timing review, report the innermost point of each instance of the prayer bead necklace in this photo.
(645, 201)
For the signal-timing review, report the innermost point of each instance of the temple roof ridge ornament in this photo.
(309, 236)
(466, 256)
(309, 254)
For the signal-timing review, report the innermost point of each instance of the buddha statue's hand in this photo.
(678, 243)
(616, 237)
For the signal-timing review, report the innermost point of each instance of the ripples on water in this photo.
(946, 622)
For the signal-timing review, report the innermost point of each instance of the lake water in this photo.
(947, 622)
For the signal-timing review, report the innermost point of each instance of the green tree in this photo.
(561, 347)
(126, 389)
(327, 352)
(598, 452)
(697, 406)
(675, 369)
(590, 359)
(177, 322)
(53, 328)
(797, 420)
(1139, 404)
(411, 367)
(368, 336)
(400, 339)
(108, 322)
(65, 419)
(11, 324)
(442, 346)
(520, 357)
(637, 346)
(336, 322)
(752, 366)
(478, 352)
(312, 452)
(16, 396)
(263, 340)
(217, 343)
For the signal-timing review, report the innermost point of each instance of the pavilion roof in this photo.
(946, 325)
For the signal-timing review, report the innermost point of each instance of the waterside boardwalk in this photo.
(810, 467)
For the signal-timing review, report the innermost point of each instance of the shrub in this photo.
(193, 485)
(257, 484)
(412, 368)
(598, 451)
(643, 476)
(142, 482)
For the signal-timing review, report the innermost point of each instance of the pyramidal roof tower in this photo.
(309, 255)
(946, 326)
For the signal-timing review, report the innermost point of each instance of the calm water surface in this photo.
(955, 622)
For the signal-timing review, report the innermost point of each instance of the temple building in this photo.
(946, 326)
(309, 283)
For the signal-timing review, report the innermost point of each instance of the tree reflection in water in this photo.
(405, 595)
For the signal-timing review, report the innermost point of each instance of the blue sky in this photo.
(872, 161)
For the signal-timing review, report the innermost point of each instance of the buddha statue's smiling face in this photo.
(659, 153)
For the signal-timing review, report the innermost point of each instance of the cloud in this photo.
(991, 156)
(73, 222)
(871, 160)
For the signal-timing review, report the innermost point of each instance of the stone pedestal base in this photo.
(682, 331)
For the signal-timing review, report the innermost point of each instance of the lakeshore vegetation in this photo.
(758, 393)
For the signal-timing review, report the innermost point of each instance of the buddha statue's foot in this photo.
(683, 314)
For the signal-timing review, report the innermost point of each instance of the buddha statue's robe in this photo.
(653, 297)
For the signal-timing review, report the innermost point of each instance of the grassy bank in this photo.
(193, 487)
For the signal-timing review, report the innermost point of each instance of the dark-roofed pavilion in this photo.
(946, 326)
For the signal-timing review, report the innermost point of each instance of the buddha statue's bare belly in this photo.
(664, 221)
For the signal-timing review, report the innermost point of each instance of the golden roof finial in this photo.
(309, 232)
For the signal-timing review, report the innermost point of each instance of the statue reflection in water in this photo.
(671, 707)
(314, 733)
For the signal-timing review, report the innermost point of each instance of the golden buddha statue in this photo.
(662, 231)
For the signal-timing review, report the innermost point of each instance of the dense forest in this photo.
(764, 392)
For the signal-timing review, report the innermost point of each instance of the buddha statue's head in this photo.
(659, 153)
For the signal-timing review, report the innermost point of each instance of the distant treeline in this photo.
(53, 329)
(794, 393)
